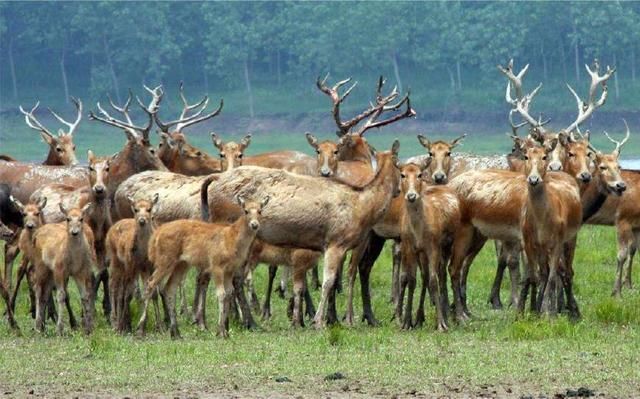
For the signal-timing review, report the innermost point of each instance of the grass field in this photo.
(495, 355)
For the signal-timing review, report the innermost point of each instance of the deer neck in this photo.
(142, 235)
(592, 197)
(241, 237)
(538, 205)
(78, 243)
(52, 160)
(376, 196)
(414, 211)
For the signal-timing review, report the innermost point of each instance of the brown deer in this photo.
(98, 217)
(431, 219)
(62, 150)
(322, 215)
(6, 234)
(176, 153)
(127, 251)
(440, 169)
(63, 250)
(177, 245)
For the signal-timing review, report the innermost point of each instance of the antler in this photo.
(619, 144)
(72, 126)
(585, 109)
(186, 120)
(128, 126)
(382, 105)
(522, 102)
(32, 122)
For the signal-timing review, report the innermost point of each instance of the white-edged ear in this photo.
(246, 140)
(42, 203)
(155, 199)
(424, 141)
(264, 201)
(240, 200)
(457, 141)
(313, 141)
(86, 208)
(217, 142)
(62, 208)
(16, 202)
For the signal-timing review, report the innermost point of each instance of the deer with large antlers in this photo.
(61, 147)
(322, 215)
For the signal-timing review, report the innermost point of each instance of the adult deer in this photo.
(62, 150)
(322, 215)
(176, 153)
(352, 160)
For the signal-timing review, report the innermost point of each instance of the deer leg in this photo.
(478, 242)
(202, 285)
(22, 271)
(373, 249)
(238, 288)
(61, 294)
(284, 280)
(464, 251)
(494, 296)
(85, 285)
(309, 308)
(550, 300)
(435, 264)
(224, 286)
(395, 271)
(11, 251)
(299, 286)
(158, 275)
(42, 296)
(266, 307)
(333, 260)
(625, 236)
(67, 305)
(632, 252)
(513, 263)
(356, 258)
(5, 296)
(315, 280)
(170, 291)
(51, 308)
(409, 260)
(250, 283)
(420, 313)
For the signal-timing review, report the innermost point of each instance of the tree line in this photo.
(109, 46)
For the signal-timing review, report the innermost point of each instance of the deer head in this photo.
(252, 211)
(61, 147)
(31, 213)
(231, 153)
(440, 154)
(143, 209)
(535, 163)
(98, 174)
(75, 218)
(411, 179)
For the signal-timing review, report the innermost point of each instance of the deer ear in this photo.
(347, 140)
(48, 139)
(62, 208)
(245, 141)
(90, 157)
(457, 141)
(426, 161)
(216, 141)
(395, 147)
(313, 141)
(16, 202)
(86, 208)
(156, 197)
(552, 145)
(264, 202)
(240, 200)
(563, 138)
(424, 141)
(42, 203)
(587, 135)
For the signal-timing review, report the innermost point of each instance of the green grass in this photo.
(496, 351)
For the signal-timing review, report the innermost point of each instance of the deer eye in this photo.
(544, 158)
(91, 169)
(152, 151)
(335, 152)
(59, 149)
(106, 169)
(603, 167)
(430, 153)
(37, 214)
(571, 154)
(246, 212)
(80, 220)
(259, 211)
(403, 175)
(590, 154)
(68, 219)
(74, 147)
(318, 152)
(449, 153)
(198, 154)
(419, 175)
(136, 210)
(222, 155)
(526, 158)
(239, 156)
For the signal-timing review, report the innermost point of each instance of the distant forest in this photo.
(93, 48)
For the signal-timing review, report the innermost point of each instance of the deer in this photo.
(430, 220)
(98, 217)
(323, 215)
(61, 147)
(7, 234)
(352, 160)
(176, 153)
(178, 244)
(127, 246)
(63, 250)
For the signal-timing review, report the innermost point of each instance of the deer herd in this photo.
(135, 222)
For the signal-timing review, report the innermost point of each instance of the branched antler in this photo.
(34, 124)
(372, 114)
(585, 109)
(185, 119)
(619, 144)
